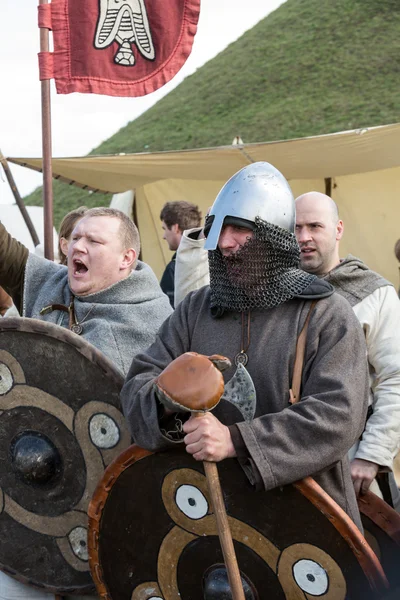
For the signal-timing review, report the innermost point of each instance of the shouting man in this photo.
(105, 294)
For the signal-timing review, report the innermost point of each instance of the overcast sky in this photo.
(80, 122)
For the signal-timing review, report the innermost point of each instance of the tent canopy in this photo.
(363, 166)
(332, 155)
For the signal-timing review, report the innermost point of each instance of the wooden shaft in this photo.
(19, 201)
(224, 532)
(46, 151)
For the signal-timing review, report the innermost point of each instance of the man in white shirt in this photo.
(375, 302)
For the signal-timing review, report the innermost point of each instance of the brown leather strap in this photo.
(294, 391)
(69, 309)
(51, 307)
(72, 318)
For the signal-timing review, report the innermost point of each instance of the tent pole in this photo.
(135, 219)
(46, 151)
(18, 200)
(328, 186)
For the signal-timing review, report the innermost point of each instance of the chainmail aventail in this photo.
(262, 274)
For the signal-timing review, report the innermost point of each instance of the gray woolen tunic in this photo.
(284, 442)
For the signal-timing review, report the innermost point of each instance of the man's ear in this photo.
(128, 259)
(175, 228)
(64, 246)
(339, 229)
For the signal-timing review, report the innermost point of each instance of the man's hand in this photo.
(363, 472)
(5, 302)
(208, 439)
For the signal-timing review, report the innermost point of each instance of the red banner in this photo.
(117, 47)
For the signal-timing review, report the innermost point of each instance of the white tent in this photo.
(12, 219)
(360, 168)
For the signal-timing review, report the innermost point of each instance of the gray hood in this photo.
(353, 280)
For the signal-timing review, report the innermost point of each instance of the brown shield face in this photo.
(153, 536)
(61, 425)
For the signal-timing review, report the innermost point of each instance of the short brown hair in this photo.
(67, 225)
(128, 232)
(181, 213)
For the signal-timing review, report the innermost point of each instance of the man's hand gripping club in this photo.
(194, 383)
(208, 439)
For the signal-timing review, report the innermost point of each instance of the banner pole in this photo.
(46, 151)
(18, 200)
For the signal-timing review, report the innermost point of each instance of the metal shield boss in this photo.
(61, 425)
(258, 190)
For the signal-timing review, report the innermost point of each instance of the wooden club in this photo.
(194, 383)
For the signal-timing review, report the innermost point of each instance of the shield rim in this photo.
(29, 325)
(380, 513)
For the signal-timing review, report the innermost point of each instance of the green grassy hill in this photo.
(310, 67)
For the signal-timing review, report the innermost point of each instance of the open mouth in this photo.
(307, 250)
(79, 267)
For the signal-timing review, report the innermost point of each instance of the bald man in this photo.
(374, 300)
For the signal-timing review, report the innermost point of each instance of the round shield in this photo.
(382, 530)
(61, 425)
(153, 536)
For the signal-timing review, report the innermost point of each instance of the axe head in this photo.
(240, 392)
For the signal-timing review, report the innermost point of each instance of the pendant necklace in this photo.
(242, 358)
(74, 325)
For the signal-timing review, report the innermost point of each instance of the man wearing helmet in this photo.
(252, 312)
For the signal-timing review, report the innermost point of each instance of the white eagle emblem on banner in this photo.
(126, 22)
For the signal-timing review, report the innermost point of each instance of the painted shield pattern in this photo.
(153, 536)
(60, 426)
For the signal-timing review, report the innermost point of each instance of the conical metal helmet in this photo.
(258, 190)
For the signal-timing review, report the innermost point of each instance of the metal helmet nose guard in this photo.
(258, 190)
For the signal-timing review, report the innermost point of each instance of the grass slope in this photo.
(310, 67)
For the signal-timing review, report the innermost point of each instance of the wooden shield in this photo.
(60, 426)
(153, 536)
